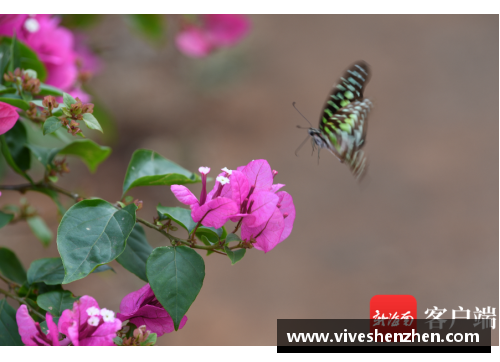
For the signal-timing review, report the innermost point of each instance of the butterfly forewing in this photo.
(349, 88)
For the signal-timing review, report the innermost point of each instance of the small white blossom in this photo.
(107, 315)
(93, 311)
(93, 321)
(204, 170)
(223, 180)
(31, 25)
(229, 172)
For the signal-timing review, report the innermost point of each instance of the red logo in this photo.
(393, 314)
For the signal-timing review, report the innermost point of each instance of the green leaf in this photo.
(177, 214)
(9, 334)
(90, 152)
(51, 271)
(40, 230)
(48, 90)
(91, 122)
(16, 102)
(16, 139)
(151, 26)
(5, 219)
(68, 100)
(4, 59)
(212, 234)
(87, 150)
(150, 341)
(176, 276)
(118, 341)
(92, 233)
(28, 59)
(5, 90)
(43, 154)
(136, 253)
(11, 267)
(232, 237)
(10, 161)
(57, 301)
(47, 270)
(236, 255)
(148, 168)
(52, 124)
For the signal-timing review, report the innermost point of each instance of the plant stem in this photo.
(8, 282)
(20, 300)
(190, 242)
(237, 226)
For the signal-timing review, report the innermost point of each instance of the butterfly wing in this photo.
(346, 132)
(349, 88)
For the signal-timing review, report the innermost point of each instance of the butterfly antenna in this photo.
(293, 104)
(302, 144)
(319, 149)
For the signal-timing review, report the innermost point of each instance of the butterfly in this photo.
(343, 122)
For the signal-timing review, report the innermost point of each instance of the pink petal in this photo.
(276, 187)
(287, 206)
(103, 335)
(26, 326)
(67, 321)
(53, 331)
(8, 117)
(270, 232)
(193, 42)
(226, 29)
(239, 187)
(215, 212)
(259, 174)
(133, 301)
(80, 308)
(264, 204)
(183, 194)
(156, 319)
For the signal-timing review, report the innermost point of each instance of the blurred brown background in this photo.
(425, 222)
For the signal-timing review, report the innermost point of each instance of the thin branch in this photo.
(21, 300)
(9, 282)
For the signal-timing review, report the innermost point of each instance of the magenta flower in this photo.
(87, 325)
(215, 31)
(266, 215)
(8, 117)
(31, 332)
(247, 196)
(211, 210)
(142, 308)
(54, 45)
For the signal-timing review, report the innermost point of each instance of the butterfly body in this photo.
(343, 122)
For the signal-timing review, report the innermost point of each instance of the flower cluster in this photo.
(85, 325)
(247, 196)
(27, 81)
(88, 325)
(67, 63)
(213, 32)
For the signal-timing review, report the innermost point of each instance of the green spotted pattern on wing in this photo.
(344, 118)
